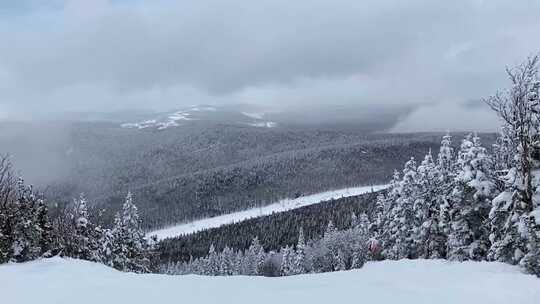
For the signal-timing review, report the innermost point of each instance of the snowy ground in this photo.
(281, 206)
(58, 281)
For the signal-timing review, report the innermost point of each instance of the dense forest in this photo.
(205, 169)
(274, 231)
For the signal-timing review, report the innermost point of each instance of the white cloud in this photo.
(108, 55)
(448, 117)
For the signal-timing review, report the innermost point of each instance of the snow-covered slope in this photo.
(281, 206)
(59, 281)
(201, 113)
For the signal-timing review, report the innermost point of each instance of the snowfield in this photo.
(58, 281)
(281, 206)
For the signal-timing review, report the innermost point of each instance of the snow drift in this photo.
(59, 281)
(281, 206)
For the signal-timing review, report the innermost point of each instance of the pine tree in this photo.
(238, 262)
(299, 265)
(212, 263)
(385, 213)
(429, 240)
(354, 220)
(27, 235)
(107, 247)
(85, 237)
(339, 261)
(404, 223)
(445, 159)
(446, 166)
(287, 261)
(227, 262)
(363, 224)
(130, 251)
(330, 228)
(531, 261)
(254, 258)
(46, 238)
(473, 188)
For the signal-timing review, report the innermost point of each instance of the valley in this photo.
(281, 206)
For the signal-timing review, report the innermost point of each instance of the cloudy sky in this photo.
(439, 57)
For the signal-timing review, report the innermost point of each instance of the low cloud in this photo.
(448, 117)
(106, 55)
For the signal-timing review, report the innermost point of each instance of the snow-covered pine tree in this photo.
(85, 238)
(445, 159)
(238, 262)
(299, 265)
(107, 247)
(385, 209)
(227, 262)
(7, 186)
(519, 109)
(362, 240)
(46, 238)
(357, 259)
(471, 194)
(130, 247)
(446, 165)
(403, 222)
(328, 246)
(254, 258)
(380, 212)
(26, 229)
(363, 224)
(287, 261)
(430, 240)
(330, 229)
(339, 261)
(354, 220)
(212, 262)
(531, 260)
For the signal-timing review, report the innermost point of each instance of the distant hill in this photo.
(203, 168)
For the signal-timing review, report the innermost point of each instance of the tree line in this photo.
(336, 250)
(273, 231)
(27, 233)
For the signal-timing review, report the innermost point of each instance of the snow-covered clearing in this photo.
(58, 281)
(281, 206)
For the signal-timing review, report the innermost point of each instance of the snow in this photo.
(259, 116)
(263, 124)
(59, 281)
(536, 214)
(203, 109)
(162, 123)
(281, 206)
(175, 119)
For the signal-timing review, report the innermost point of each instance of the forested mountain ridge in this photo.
(206, 169)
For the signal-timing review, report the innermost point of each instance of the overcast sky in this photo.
(439, 56)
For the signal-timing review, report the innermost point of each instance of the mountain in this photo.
(277, 207)
(214, 164)
(201, 113)
(203, 168)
